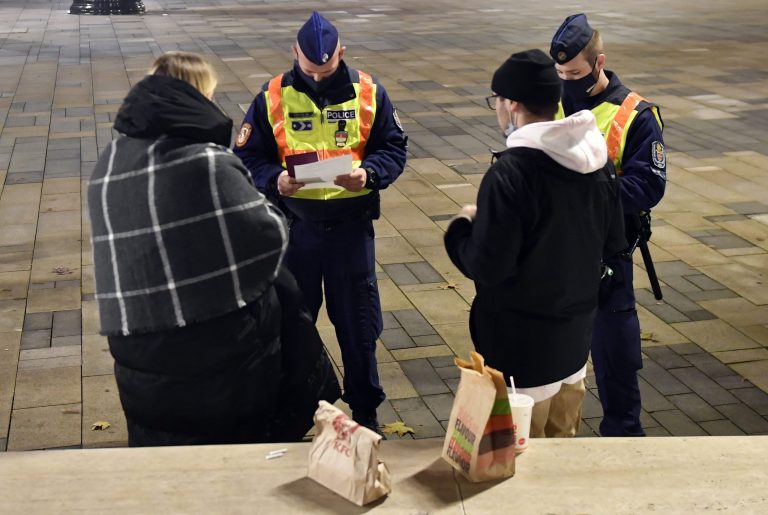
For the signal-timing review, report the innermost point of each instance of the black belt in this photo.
(330, 224)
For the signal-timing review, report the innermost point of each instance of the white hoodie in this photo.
(574, 142)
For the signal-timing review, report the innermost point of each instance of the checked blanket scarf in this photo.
(179, 234)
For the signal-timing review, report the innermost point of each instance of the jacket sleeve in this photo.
(257, 148)
(386, 148)
(643, 165)
(486, 249)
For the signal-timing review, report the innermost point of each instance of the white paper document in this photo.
(321, 174)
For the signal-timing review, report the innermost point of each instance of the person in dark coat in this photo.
(211, 341)
(548, 210)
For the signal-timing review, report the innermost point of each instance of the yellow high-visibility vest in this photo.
(614, 121)
(299, 126)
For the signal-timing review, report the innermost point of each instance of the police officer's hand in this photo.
(354, 181)
(287, 185)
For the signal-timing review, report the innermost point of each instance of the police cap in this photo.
(318, 39)
(571, 38)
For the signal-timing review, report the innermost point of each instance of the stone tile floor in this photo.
(63, 77)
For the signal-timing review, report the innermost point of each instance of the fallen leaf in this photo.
(70, 412)
(648, 337)
(449, 286)
(397, 427)
(100, 426)
(62, 270)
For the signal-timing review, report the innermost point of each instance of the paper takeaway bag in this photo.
(479, 441)
(345, 457)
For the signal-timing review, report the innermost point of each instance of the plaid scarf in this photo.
(179, 234)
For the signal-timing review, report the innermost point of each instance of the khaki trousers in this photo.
(560, 415)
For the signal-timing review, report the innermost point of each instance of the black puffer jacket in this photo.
(212, 382)
(254, 375)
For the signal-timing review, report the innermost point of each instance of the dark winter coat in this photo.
(548, 210)
(187, 260)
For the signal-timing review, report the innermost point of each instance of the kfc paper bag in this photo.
(345, 457)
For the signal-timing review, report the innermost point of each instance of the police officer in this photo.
(632, 127)
(323, 106)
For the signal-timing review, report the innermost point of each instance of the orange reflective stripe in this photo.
(366, 108)
(277, 116)
(619, 122)
(276, 113)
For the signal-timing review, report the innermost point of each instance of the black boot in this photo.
(368, 420)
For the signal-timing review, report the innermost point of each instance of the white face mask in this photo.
(511, 127)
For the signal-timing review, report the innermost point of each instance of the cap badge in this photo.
(561, 55)
(325, 58)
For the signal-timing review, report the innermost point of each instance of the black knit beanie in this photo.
(528, 77)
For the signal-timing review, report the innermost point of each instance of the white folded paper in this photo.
(321, 174)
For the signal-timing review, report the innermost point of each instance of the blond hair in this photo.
(189, 67)
(594, 48)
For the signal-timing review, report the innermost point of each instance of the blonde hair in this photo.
(189, 67)
(594, 48)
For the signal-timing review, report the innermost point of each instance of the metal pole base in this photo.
(103, 7)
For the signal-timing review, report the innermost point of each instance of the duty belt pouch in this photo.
(345, 457)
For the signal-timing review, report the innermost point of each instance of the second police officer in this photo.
(632, 127)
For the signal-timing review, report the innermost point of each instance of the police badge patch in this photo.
(658, 155)
(243, 135)
(341, 135)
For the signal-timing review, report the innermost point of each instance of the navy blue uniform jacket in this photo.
(385, 150)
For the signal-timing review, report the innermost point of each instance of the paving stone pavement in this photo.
(62, 79)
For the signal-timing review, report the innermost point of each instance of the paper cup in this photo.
(522, 406)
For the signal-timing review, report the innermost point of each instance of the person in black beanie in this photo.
(548, 211)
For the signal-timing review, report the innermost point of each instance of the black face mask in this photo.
(578, 90)
(317, 87)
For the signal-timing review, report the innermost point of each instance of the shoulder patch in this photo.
(244, 135)
(397, 120)
(658, 154)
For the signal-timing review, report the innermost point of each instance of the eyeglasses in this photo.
(491, 101)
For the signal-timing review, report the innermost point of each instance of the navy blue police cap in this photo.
(571, 38)
(318, 39)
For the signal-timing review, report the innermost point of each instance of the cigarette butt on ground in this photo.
(276, 454)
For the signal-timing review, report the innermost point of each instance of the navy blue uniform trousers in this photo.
(616, 355)
(339, 257)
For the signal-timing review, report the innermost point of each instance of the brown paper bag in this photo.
(345, 457)
(479, 441)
